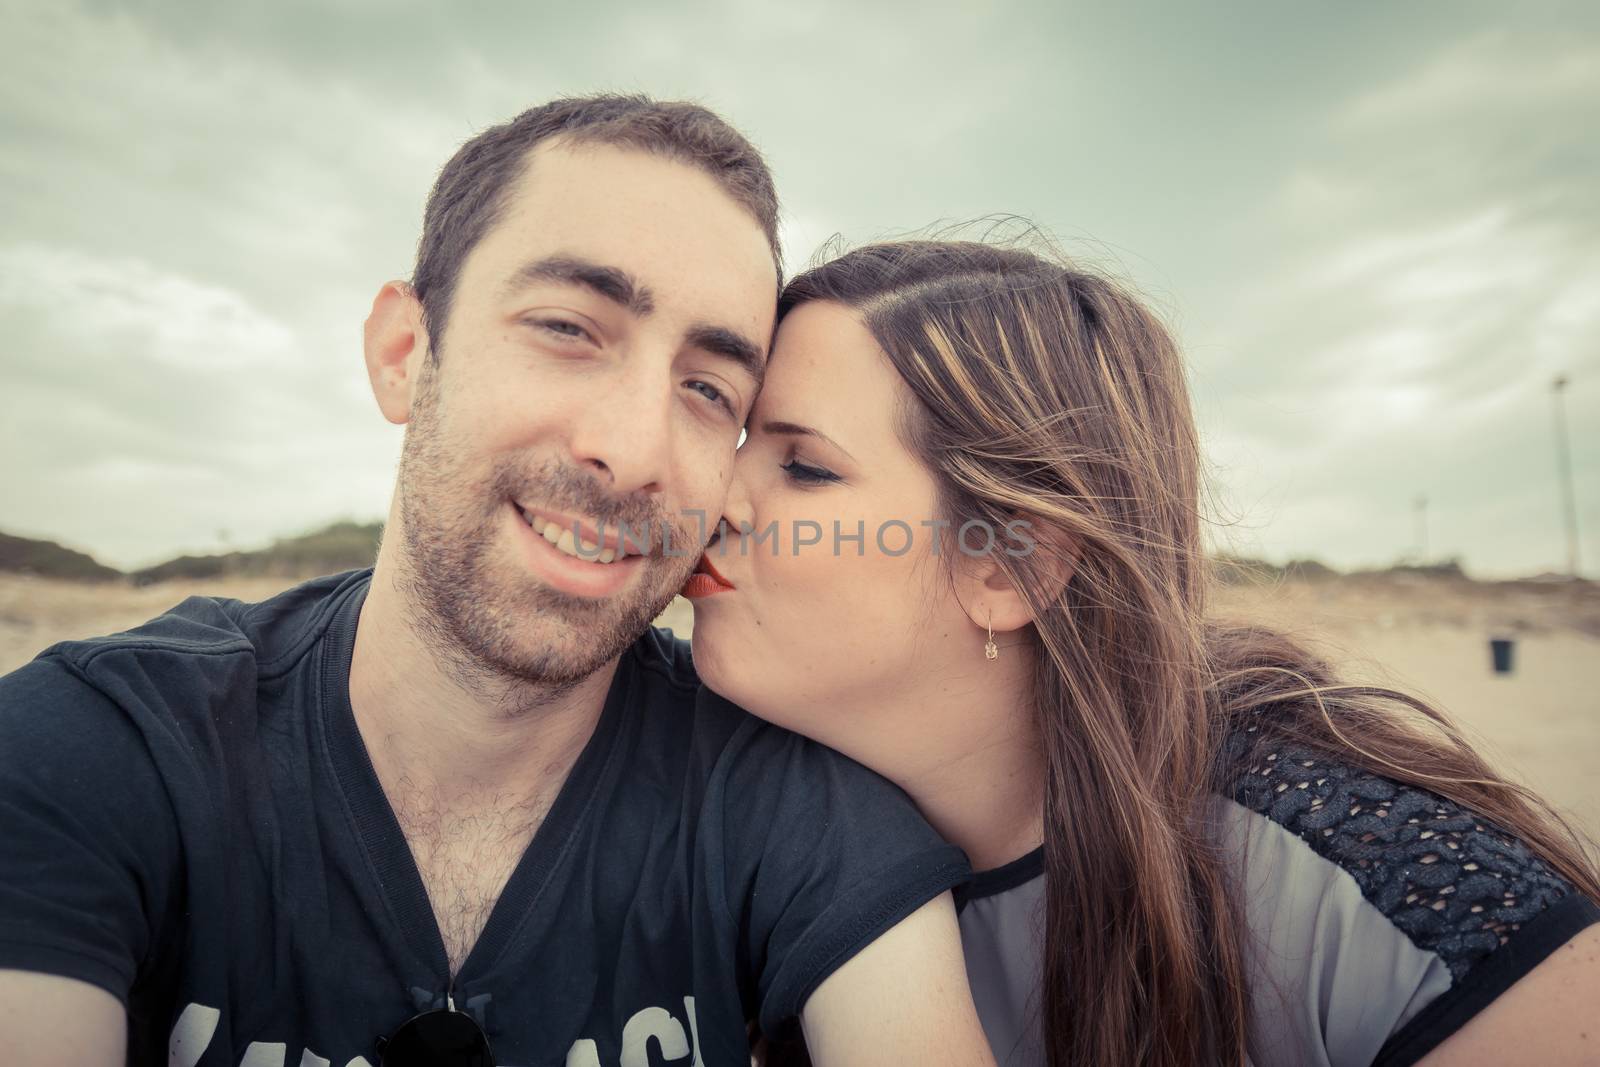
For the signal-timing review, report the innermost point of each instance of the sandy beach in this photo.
(1428, 635)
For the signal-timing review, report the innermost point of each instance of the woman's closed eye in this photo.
(806, 474)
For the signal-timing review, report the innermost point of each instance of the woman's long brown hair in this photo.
(1047, 392)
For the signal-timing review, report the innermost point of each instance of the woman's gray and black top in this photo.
(1379, 918)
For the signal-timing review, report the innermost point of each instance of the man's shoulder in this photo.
(677, 712)
(215, 625)
(678, 700)
(741, 755)
(203, 646)
(665, 659)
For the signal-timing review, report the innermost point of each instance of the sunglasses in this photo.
(443, 1037)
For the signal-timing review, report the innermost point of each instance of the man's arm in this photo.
(48, 1021)
(902, 999)
(88, 860)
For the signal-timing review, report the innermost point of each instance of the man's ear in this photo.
(396, 344)
(1050, 557)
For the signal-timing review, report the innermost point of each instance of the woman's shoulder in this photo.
(1384, 892)
(1452, 880)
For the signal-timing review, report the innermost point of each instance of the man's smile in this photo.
(588, 565)
(580, 538)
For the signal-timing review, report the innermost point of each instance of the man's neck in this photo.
(493, 740)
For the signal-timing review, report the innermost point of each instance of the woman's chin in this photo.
(736, 677)
(710, 661)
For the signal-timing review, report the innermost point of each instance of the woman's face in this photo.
(828, 638)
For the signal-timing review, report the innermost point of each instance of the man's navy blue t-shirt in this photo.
(190, 821)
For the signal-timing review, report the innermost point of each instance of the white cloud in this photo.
(162, 410)
(1434, 269)
(177, 322)
(1496, 71)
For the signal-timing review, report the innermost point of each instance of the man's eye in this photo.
(563, 328)
(712, 393)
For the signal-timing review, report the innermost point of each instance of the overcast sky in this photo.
(1375, 226)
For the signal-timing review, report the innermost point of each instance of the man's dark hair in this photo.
(473, 187)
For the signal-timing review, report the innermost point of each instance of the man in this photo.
(459, 803)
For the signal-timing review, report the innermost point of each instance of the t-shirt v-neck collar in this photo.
(383, 842)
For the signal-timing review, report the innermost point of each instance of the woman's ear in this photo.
(989, 595)
(1052, 553)
(396, 344)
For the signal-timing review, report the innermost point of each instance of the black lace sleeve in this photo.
(1454, 883)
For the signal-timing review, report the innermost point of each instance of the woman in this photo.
(1198, 846)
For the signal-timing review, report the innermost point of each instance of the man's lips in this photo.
(604, 542)
(705, 581)
(559, 562)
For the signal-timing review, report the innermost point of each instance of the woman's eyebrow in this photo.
(794, 429)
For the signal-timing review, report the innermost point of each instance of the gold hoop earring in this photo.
(990, 649)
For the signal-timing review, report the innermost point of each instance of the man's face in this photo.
(602, 350)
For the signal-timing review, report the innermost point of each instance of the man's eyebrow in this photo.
(613, 283)
(730, 345)
(620, 287)
(794, 429)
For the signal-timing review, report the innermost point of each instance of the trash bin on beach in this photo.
(1500, 649)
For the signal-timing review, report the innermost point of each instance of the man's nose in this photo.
(739, 511)
(626, 434)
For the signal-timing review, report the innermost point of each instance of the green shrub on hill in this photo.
(22, 555)
(340, 547)
(1238, 570)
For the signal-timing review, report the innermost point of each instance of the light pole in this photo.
(1564, 465)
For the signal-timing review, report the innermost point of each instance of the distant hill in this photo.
(340, 547)
(21, 555)
(1446, 568)
(1235, 570)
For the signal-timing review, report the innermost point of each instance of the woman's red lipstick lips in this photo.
(705, 581)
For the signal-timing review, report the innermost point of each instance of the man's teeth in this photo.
(563, 539)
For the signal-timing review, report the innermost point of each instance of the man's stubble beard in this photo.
(489, 632)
